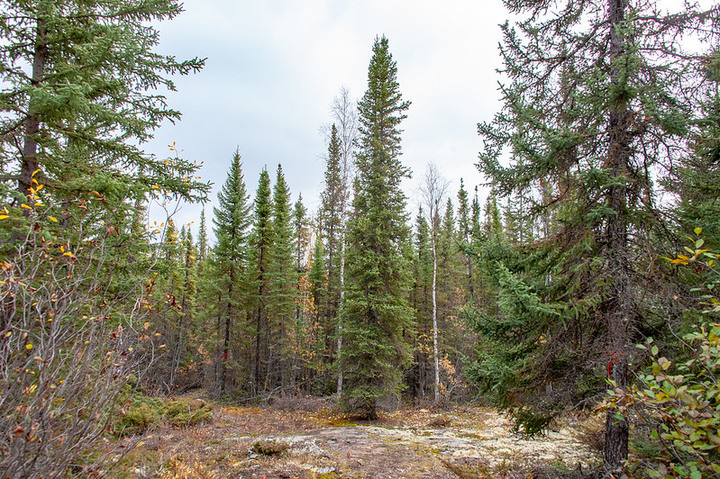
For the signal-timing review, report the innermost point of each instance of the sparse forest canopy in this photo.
(599, 232)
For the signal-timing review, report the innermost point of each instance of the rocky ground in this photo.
(408, 443)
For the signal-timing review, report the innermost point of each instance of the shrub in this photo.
(681, 399)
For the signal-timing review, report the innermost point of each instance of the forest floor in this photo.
(268, 443)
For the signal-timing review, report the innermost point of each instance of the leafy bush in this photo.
(681, 399)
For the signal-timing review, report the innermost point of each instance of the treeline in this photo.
(258, 314)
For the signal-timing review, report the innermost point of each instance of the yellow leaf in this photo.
(35, 172)
(25, 206)
(29, 346)
(54, 220)
(2, 217)
(8, 334)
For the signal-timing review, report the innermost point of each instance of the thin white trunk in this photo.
(435, 322)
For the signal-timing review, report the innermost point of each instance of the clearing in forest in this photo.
(245, 442)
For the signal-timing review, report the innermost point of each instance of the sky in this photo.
(273, 68)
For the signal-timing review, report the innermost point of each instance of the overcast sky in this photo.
(273, 68)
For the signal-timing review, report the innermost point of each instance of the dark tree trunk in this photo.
(258, 370)
(226, 339)
(618, 307)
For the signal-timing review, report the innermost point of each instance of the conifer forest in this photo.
(578, 283)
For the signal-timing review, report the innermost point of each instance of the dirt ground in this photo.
(265, 443)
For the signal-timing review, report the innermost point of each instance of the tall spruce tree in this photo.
(331, 216)
(376, 313)
(332, 219)
(596, 91)
(261, 243)
(282, 286)
(232, 219)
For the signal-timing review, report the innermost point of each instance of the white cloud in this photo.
(274, 66)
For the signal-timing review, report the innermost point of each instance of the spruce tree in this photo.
(202, 244)
(261, 243)
(301, 235)
(331, 217)
(232, 219)
(376, 314)
(282, 286)
(89, 93)
(465, 237)
(595, 92)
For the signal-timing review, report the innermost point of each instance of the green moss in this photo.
(142, 413)
(186, 412)
(139, 416)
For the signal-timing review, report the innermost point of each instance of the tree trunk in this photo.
(619, 308)
(29, 163)
(226, 339)
(436, 358)
(339, 312)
